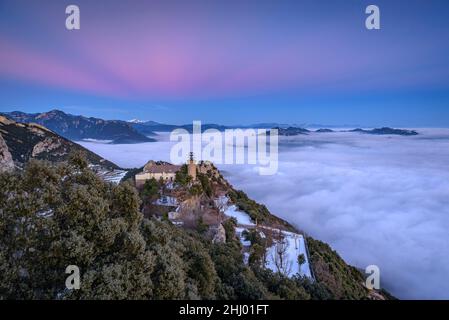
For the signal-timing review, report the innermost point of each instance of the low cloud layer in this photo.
(380, 200)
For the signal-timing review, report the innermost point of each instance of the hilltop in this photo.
(217, 211)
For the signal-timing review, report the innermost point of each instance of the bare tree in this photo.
(280, 258)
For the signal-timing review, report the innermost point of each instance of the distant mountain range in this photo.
(149, 127)
(81, 128)
(293, 131)
(20, 142)
(137, 131)
(386, 130)
(146, 127)
(77, 127)
(324, 130)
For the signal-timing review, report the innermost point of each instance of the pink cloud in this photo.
(179, 61)
(23, 63)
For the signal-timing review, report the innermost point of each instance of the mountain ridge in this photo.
(20, 142)
(77, 127)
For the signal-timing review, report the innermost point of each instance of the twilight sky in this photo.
(232, 62)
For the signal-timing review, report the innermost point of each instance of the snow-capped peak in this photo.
(136, 121)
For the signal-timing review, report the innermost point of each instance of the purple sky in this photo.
(301, 61)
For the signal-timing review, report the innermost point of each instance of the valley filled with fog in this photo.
(381, 200)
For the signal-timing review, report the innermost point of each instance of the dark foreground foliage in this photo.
(56, 215)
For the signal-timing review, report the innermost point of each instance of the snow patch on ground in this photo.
(239, 232)
(240, 216)
(167, 201)
(294, 245)
(113, 176)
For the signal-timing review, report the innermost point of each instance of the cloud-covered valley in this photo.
(380, 200)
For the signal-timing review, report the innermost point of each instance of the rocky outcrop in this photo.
(48, 145)
(6, 161)
(5, 121)
(218, 183)
(21, 142)
(218, 234)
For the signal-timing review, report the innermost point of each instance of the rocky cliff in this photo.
(20, 142)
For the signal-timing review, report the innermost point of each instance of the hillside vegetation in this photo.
(55, 215)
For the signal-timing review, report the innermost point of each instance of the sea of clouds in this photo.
(381, 200)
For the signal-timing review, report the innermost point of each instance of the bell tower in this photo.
(191, 167)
